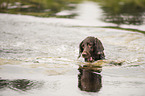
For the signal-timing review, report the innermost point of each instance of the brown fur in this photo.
(91, 49)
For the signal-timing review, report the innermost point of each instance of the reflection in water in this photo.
(90, 79)
(115, 11)
(123, 11)
(3, 83)
(38, 7)
(19, 84)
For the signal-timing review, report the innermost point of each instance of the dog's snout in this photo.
(84, 54)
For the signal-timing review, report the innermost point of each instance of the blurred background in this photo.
(131, 12)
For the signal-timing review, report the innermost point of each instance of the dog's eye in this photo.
(90, 45)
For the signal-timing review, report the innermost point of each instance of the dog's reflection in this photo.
(90, 79)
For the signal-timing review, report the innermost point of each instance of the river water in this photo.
(38, 57)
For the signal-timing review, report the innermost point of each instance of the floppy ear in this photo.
(80, 49)
(99, 47)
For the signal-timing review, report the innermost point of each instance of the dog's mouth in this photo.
(90, 59)
(87, 56)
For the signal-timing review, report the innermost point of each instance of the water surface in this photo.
(38, 56)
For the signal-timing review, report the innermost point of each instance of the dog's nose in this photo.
(84, 54)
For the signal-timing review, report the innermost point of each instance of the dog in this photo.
(91, 49)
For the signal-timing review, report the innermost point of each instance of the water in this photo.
(41, 53)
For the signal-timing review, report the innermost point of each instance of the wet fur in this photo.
(93, 47)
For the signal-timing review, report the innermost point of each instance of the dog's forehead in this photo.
(89, 40)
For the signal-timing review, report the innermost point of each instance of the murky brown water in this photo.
(38, 56)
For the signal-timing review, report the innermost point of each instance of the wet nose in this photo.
(84, 54)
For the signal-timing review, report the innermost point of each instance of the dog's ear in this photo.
(80, 49)
(99, 47)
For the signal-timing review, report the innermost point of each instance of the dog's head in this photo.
(91, 49)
